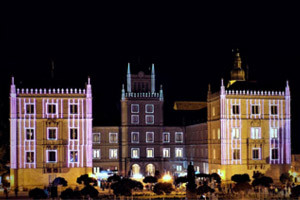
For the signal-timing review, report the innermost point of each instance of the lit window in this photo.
(274, 133)
(236, 154)
(219, 134)
(113, 153)
(235, 133)
(96, 170)
(96, 153)
(135, 108)
(52, 133)
(29, 134)
(166, 152)
(179, 137)
(51, 156)
(149, 119)
(73, 133)
(73, 156)
(149, 137)
(29, 108)
(51, 109)
(255, 133)
(274, 110)
(96, 137)
(166, 137)
(135, 153)
(274, 154)
(256, 153)
(255, 109)
(214, 154)
(213, 111)
(73, 109)
(149, 108)
(135, 137)
(197, 169)
(135, 119)
(178, 152)
(29, 157)
(150, 152)
(235, 109)
(178, 168)
(113, 137)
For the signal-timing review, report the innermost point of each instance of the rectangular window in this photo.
(255, 133)
(178, 152)
(149, 108)
(73, 156)
(113, 153)
(52, 133)
(113, 137)
(135, 153)
(214, 154)
(236, 154)
(29, 157)
(274, 133)
(178, 168)
(166, 137)
(135, 137)
(29, 108)
(73, 133)
(73, 109)
(255, 109)
(274, 110)
(149, 137)
(51, 156)
(150, 152)
(179, 137)
(96, 170)
(135, 119)
(149, 119)
(235, 133)
(274, 154)
(219, 134)
(51, 109)
(256, 154)
(96, 137)
(29, 134)
(166, 152)
(96, 153)
(235, 109)
(213, 111)
(135, 108)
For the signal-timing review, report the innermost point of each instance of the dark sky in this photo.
(190, 45)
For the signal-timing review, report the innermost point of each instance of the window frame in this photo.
(272, 134)
(70, 152)
(253, 134)
(271, 109)
(138, 153)
(29, 104)
(56, 108)
(98, 150)
(272, 154)
(149, 116)
(138, 137)
(233, 154)
(70, 110)
(149, 141)
(33, 134)
(98, 133)
(48, 133)
(179, 133)
(147, 105)
(176, 149)
(169, 154)
(233, 135)
(147, 152)
(48, 156)
(259, 153)
(77, 133)
(112, 150)
(30, 156)
(138, 119)
(234, 110)
(117, 135)
(255, 105)
(138, 108)
(163, 139)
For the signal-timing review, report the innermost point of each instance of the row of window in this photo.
(255, 133)
(255, 109)
(52, 133)
(256, 154)
(51, 156)
(51, 108)
(135, 153)
(135, 108)
(135, 119)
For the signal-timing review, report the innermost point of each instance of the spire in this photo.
(89, 88)
(123, 92)
(152, 79)
(222, 87)
(287, 89)
(237, 73)
(12, 86)
(161, 93)
(128, 79)
(237, 60)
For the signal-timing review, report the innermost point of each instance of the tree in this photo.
(242, 187)
(203, 189)
(124, 186)
(295, 192)
(86, 180)
(216, 177)
(89, 191)
(150, 179)
(264, 181)
(67, 194)
(37, 193)
(59, 181)
(242, 183)
(182, 179)
(160, 188)
(286, 178)
(114, 178)
(240, 178)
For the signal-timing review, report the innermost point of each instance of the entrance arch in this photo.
(135, 168)
(150, 170)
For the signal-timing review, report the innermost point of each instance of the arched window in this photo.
(135, 169)
(150, 170)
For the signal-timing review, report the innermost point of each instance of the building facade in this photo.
(50, 136)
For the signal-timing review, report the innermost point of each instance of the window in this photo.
(256, 153)
(135, 119)
(96, 153)
(150, 152)
(29, 134)
(274, 154)
(149, 137)
(113, 153)
(179, 137)
(235, 109)
(52, 133)
(166, 152)
(73, 133)
(73, 156)
(274, 133)
(255, 133)
(236, 154)
(178, 152)
(135, 108)
(29, 108)
(96, 170)
(96, 137)
(166, 137)
(219, 134)
(274, 110)
(29, 157)
(149, 108)
(213, 134)
(113, 137)
(213, 111)
(73, 109)
(51, 109)
(149, 119)
(135, 153)
(51, 156)
(214, 154)
(255, 109)
(135, 137)
(235, 133)
(178, 168)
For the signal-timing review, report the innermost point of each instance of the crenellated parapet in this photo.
(142, 95)
(50, 91)
(254, 93)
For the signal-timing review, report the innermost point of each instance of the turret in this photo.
(237, 73)
(128, 79)
(161, 93)
(152, 79)
(123, 92)
(287, 89)
(222, 87)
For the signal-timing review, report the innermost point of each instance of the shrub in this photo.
(203, 189)
(160, 188)
(150, 179)
(125, 185)
(37, 193)
(89, 190)
(240, 178)
(67, 194)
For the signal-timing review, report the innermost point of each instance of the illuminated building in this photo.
(50, 135)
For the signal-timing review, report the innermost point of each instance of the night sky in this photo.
(191, 46)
